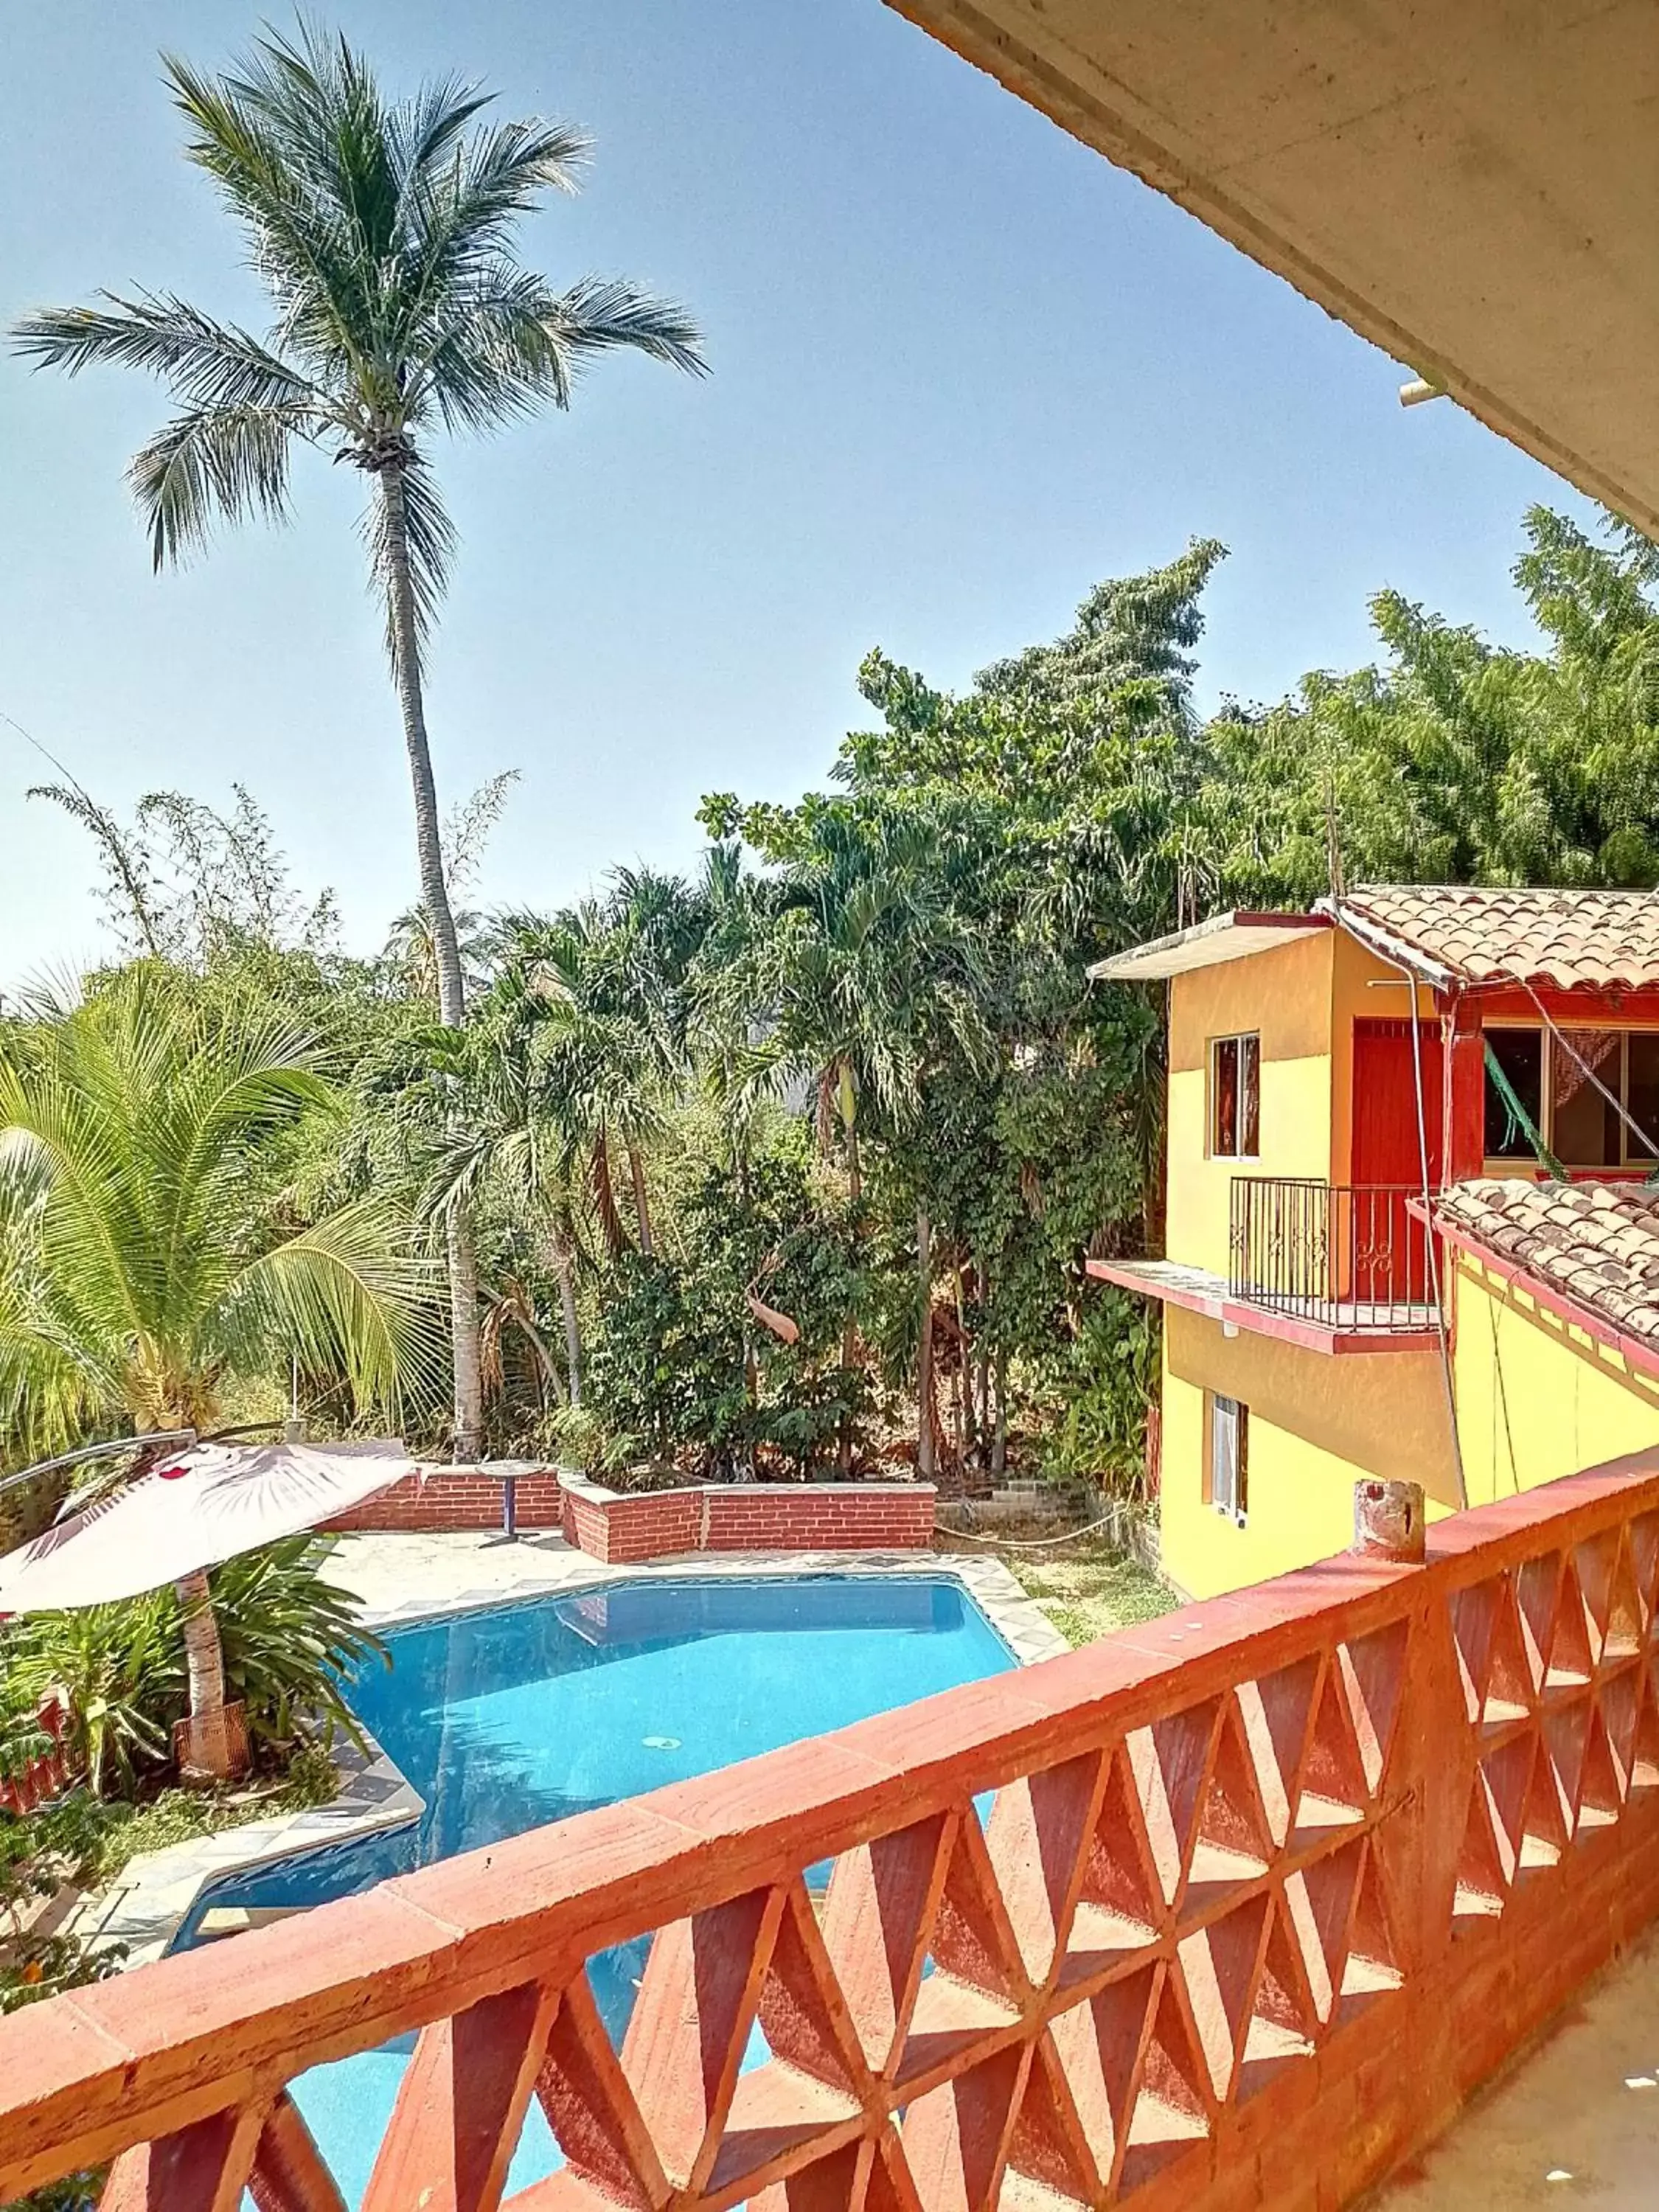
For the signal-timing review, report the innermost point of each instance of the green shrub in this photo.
(679, 1369)
(288, 1635)
(121, 1671)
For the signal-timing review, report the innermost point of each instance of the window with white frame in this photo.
(1236, 1096)
(1229, 1472)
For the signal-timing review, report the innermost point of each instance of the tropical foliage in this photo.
(152, 1265)
(155, 1266)
(793, 1166)
(384, 233)
(116, 1672)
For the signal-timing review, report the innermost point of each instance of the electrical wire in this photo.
(1586, 1070)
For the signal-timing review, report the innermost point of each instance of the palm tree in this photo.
(140, 1282)
(602, 1043)
(510, 1133)
(384, 233)
(870, 970)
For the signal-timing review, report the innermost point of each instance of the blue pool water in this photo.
(506, 1719)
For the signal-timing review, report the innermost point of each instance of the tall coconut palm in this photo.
(141, 1279)
(384, 234)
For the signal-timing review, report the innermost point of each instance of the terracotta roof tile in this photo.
(1593, 940)
(1597, 1244)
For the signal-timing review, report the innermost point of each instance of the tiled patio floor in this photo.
(1576, 2123)
(402, 1576)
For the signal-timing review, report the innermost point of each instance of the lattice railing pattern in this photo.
(1558, 1662)
(1218, 1912)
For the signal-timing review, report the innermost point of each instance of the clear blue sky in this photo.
(963, 368)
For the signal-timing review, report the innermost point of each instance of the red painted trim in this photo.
(1504, 1002)
(1464, 1074)
(1263, 1320)
(1643, 1357)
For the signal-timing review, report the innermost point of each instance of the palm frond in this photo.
(136, 1269)
(461, 212)
(298, 246)
(347, 1296)
(210, 463)
(207, 363)
(604, 315)
(430, 538)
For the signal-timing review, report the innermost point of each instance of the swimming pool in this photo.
(510, 1718)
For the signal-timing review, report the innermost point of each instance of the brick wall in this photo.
(626, 1527)
(821, 1518)
(623, 1530)
(808, 1517)
(450, 1498)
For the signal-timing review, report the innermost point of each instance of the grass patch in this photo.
(1086, 1592)
(180, 1816)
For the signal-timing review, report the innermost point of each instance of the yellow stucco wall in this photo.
(1537, 1398)
(1302, 998)
(1318, 1423)
(1285, 995)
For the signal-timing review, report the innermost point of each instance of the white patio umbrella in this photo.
(197, 1509)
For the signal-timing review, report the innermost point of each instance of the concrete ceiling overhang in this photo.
(1471, 184)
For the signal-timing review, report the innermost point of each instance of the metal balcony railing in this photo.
(1342, 1255)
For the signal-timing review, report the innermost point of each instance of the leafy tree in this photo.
(384, 232)
(144, 1280)
(680, 1360)
(1457, 761)
(187, 884)
(863, 970)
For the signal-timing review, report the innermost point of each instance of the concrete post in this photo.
(1388, 1520)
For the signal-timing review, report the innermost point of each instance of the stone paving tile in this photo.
(155, 1892)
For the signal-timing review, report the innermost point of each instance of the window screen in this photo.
(1230, 1432)
(1236, 1098)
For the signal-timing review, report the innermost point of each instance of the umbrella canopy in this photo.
(197, 1509)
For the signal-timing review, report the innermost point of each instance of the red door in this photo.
(1386, 1247)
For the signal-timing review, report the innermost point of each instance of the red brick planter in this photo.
(809, 1516)
(628, 1526)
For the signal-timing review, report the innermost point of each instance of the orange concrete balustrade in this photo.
(1266, 1889)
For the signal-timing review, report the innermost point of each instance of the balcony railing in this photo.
(1264, 1890)
(1341, 1255)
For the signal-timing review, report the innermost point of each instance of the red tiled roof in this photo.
(1594, 1244)
(1595, 941)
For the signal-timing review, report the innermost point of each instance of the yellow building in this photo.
(1395, 1247)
